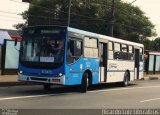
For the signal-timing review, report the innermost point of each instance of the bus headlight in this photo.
(60, 74)
(20, 72)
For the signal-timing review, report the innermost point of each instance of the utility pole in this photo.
(69, 12)
(112, 18)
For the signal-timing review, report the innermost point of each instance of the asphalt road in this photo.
(138, 95)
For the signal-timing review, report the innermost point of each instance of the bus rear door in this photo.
(137, 61)
(103, 61)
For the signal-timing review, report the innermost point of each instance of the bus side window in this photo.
(70, 51)
(117, 51)
(71, 47)
(78, 48)
(74, 51)
(130, 54)
(141, 54)
(110, 50)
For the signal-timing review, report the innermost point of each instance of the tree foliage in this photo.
(155, 45)
(92, 15)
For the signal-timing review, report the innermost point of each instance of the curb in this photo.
(5, 84)
(150, 78)
(153, 78)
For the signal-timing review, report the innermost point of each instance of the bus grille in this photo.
(39, 79)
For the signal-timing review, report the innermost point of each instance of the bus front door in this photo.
(136, 71)
(103, 62)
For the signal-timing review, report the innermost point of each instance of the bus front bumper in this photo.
(56, 80)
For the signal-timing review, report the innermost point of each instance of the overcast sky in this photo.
(152, 9)
(9, 11)
(8, 19)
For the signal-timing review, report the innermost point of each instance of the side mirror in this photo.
(15, 43)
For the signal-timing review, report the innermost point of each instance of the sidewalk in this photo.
(151, 77)
(12, 80)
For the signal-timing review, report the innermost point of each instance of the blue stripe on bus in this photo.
(122, 70)
(81, 71)
(107, 71)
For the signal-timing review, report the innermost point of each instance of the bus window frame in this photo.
(82, 49)
(141, 54)
(131, 52)
(113, 42)
(90, 47)
(111, 50)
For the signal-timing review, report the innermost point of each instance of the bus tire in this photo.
(125, 80)
(85, 83)
(46, 86)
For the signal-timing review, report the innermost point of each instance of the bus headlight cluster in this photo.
(21, 72)
(60, 74)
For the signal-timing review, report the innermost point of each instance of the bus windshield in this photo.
(42, 50)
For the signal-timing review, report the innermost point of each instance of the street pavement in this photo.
(30, 99)
(12, 80)
(139, 94)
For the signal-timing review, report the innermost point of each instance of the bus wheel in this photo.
(126, 79)
(46, 86)
(85, 83)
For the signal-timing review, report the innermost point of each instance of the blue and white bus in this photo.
(83, 58)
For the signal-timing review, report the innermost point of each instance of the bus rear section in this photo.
(120, 60)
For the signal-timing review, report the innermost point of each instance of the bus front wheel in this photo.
(85, 83)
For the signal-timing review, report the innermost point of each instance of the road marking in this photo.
(107, 90)
(23, 97)
(154, 99)
(119, 89)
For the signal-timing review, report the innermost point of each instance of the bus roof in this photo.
(91, 34)
(99, 36)
(120, 41)
(86, 33)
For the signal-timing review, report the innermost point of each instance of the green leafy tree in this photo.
(132, 24)
(155, 45)
(92, 15)
(147, 44)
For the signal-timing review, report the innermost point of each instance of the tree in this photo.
(92, 15)
(155, 46)
(147, 44)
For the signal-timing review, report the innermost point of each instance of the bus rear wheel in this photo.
(125, 80)
(46, 86)
(85, 83)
